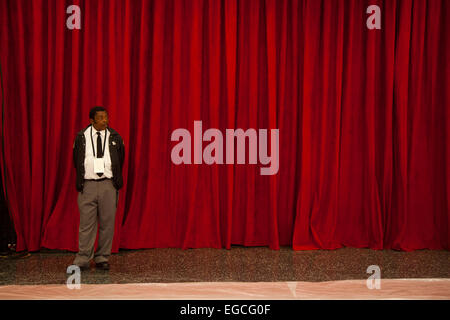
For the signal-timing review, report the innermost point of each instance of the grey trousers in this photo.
(97, 204)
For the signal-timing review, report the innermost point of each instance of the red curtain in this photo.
(363, 119)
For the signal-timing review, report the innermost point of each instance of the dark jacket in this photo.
(116, 151)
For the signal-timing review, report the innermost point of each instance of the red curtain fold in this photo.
(363, 119)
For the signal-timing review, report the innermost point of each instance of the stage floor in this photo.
(430, 289)
(238, 273)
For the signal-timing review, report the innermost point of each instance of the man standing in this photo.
(98, 156)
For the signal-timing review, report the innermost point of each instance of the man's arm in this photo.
(122, 153)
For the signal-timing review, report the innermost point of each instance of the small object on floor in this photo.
(11, 253)
(20, 255)
(102, 265)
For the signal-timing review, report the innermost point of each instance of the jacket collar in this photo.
(111, 131)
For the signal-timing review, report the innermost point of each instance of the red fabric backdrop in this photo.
(363, 118)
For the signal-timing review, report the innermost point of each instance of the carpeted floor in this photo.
(239, 264)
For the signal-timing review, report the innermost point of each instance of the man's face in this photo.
(100, 121)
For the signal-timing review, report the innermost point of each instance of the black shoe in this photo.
(83, 268)
(102, 265)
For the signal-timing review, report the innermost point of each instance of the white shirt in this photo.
(89, 155)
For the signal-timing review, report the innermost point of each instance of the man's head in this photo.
(99, 118)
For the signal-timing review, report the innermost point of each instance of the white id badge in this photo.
(99, 165)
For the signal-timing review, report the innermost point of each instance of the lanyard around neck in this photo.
(104, 142)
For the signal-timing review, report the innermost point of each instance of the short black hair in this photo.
(94, 110)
